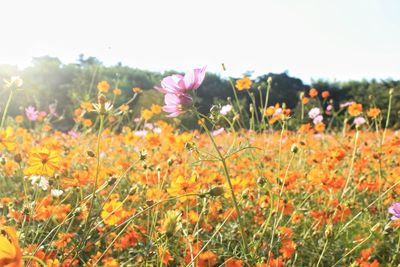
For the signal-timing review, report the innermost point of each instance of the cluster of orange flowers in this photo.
(156, 196)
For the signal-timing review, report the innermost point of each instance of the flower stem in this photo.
(3, 119)
(235, 202)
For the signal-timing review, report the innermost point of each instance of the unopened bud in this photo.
(111, 181)
(101, 99)
(294, 149)
(143, 155)
(90, 153)
(223, 67)
(18, 158)
(261, 181)
(216, 191)
(329, 231)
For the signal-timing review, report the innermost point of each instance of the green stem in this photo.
(33, 258)
(387, 117)
(228, 178)
(3, 119)
(352, 164)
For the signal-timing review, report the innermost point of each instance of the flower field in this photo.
(315, 186)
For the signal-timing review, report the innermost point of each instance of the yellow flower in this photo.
(42, 162)
(156, 109)
(103, 87)
(10, 252)
(113, 212)
(147, 114)
(244, 84)
(7, 139)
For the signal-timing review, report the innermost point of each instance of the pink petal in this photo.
(194, 78)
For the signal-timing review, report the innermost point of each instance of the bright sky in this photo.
(341, 39)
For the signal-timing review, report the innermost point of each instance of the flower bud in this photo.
(143, 155)
(329, 231)
(294, 149)
(261, 181)
(18, 158)
(216, 191)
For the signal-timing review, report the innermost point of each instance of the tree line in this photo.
(49, 81)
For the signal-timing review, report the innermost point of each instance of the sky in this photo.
(310, 39)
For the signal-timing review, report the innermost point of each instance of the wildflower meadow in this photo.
(259, 185)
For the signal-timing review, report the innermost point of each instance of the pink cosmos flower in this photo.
(313, 113)
(179, 84)
(359, 121)
(395, 211)
(175, 104)
(318, 119)
(31, 113)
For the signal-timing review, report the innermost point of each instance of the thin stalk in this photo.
(3, 119)
(353, 157)
(387, 116)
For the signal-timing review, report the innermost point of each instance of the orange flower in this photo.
(10, 252)
(355, 109)
(373, 112)
(103, 87)
(19, 119)
(233, 263)
(313, 92)
(207, 259)
(124, 108)
(136, 90)
(320, 127)
(156, 109)
(305, 100)
(325, 94)
(87, 123)
(117, 91)
(244, 84)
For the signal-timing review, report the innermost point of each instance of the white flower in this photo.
(56, 192)
(278, 112)
(225, 109)
(40, 181)
(14, 81)
(141, 133)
